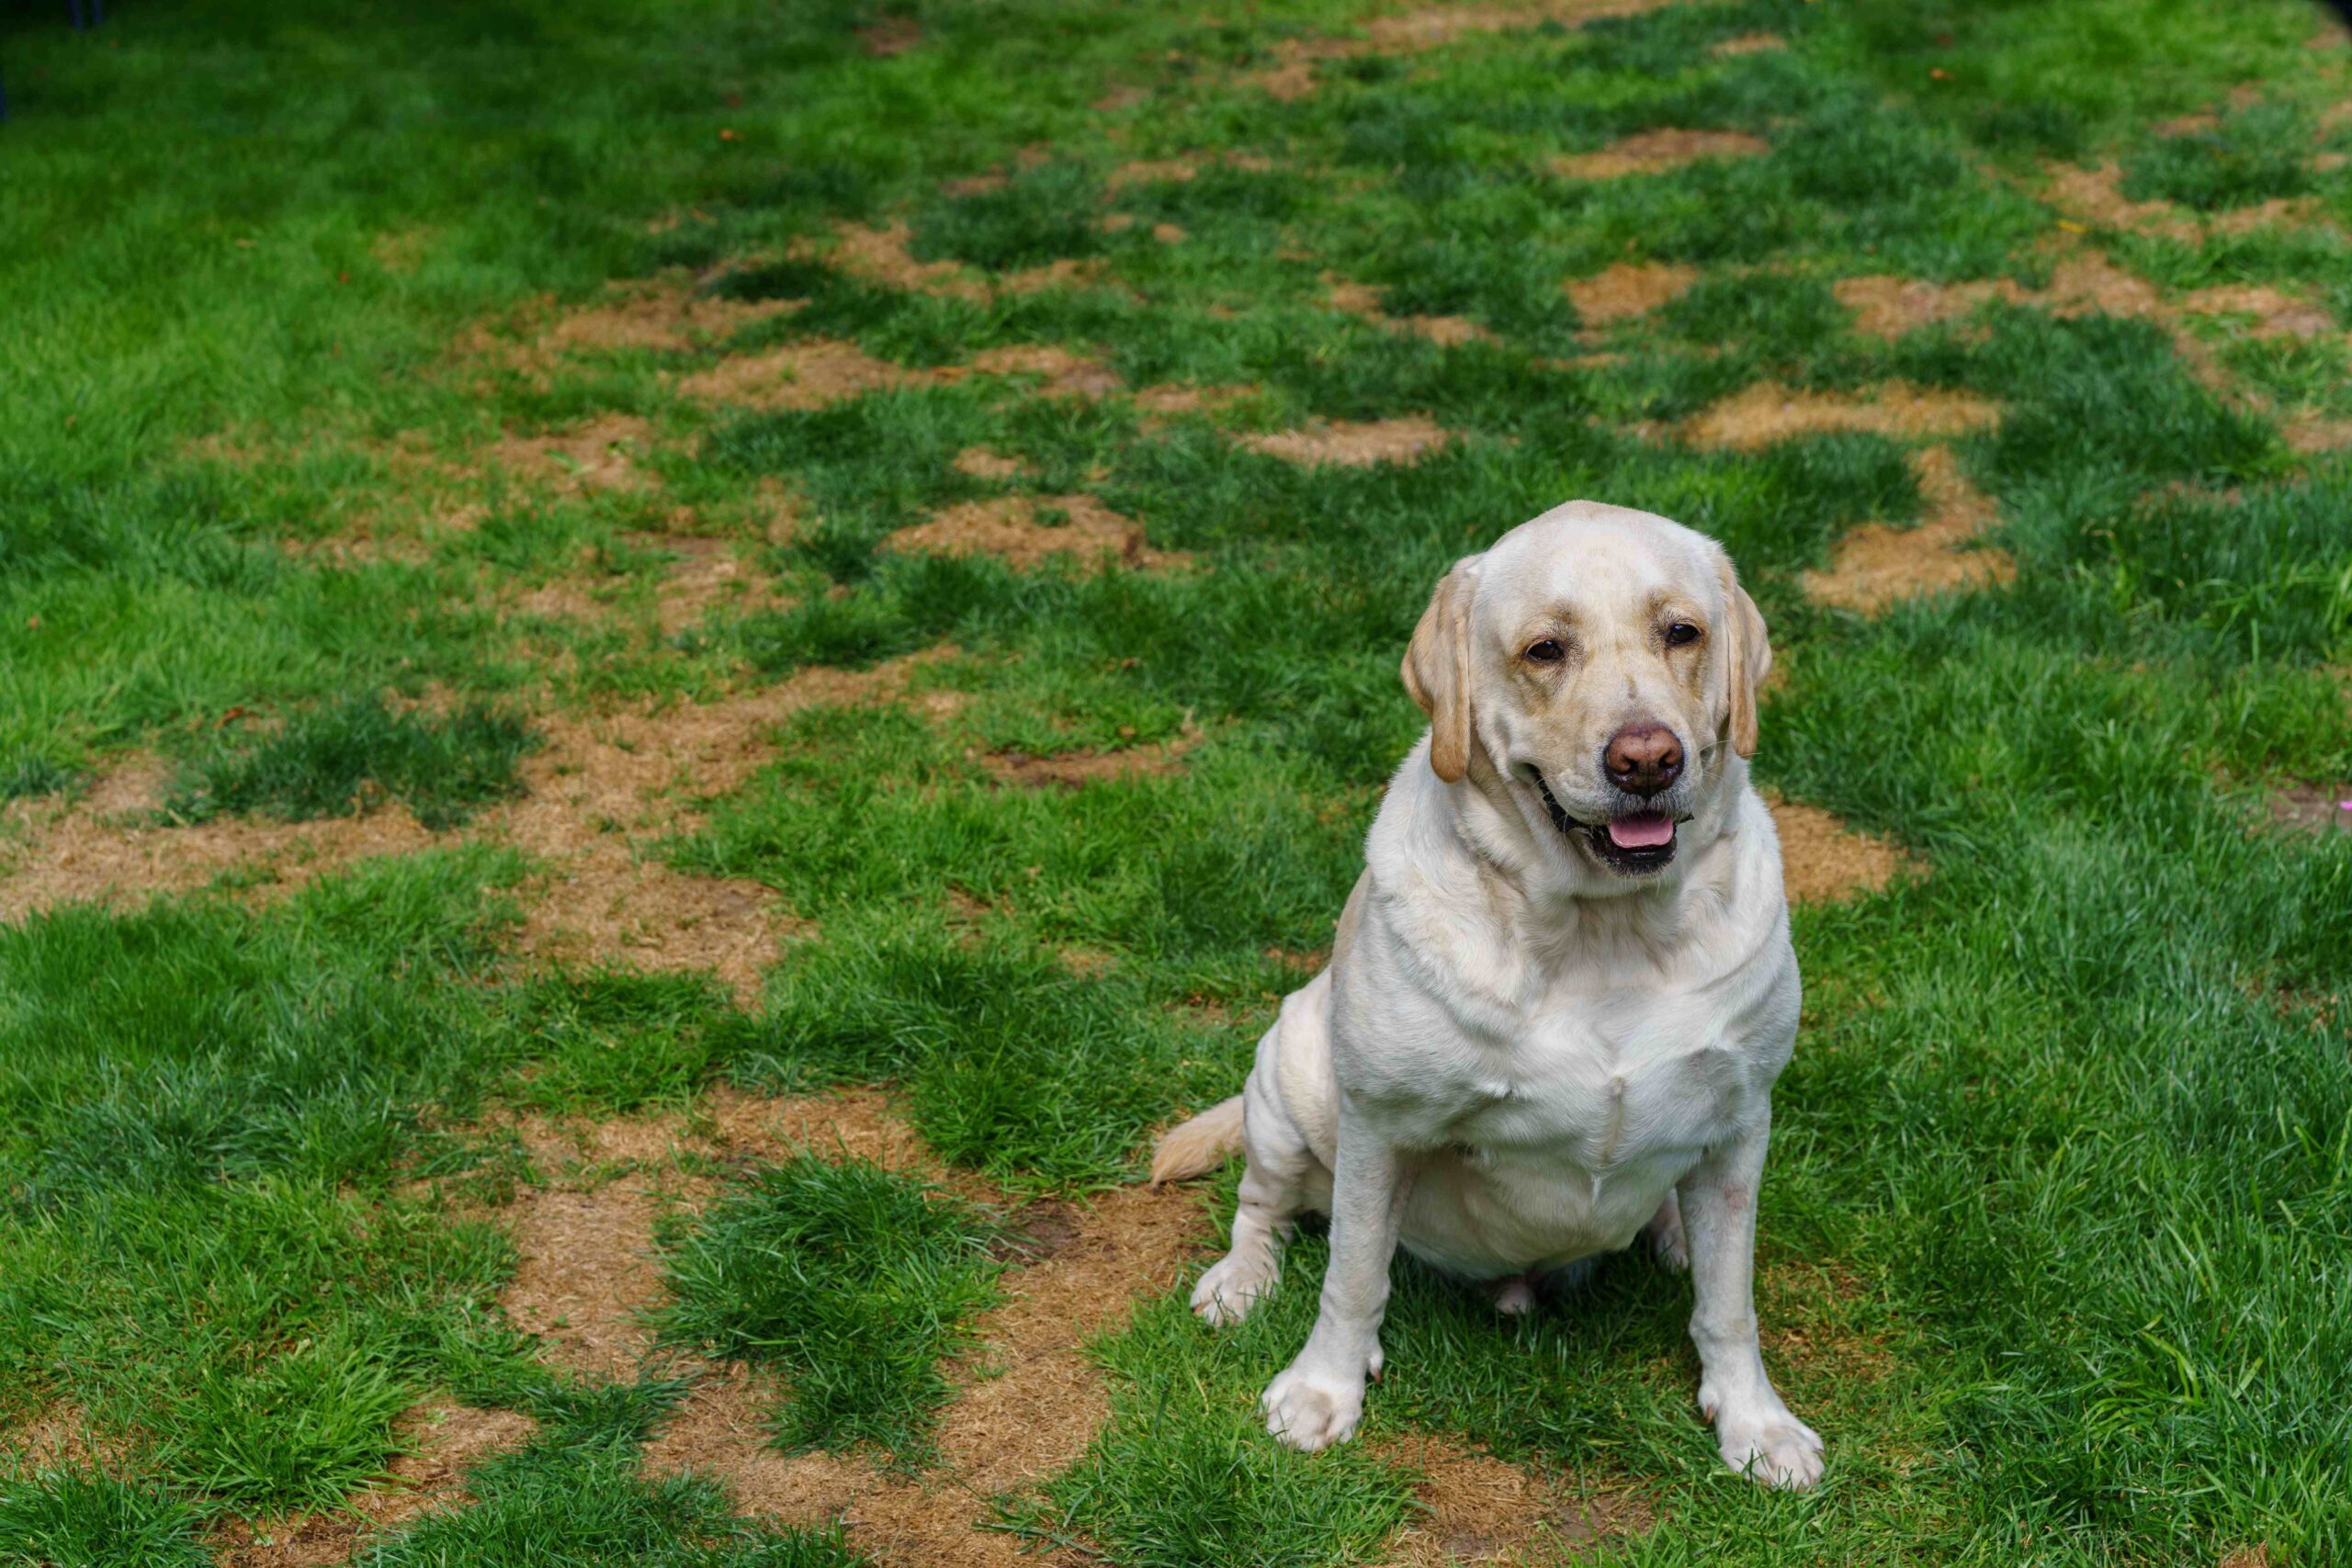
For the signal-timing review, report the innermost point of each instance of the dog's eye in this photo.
(1548, 651)
(1679, 633)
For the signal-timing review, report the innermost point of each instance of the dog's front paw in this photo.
(1310, 1409)
(1768, 1445)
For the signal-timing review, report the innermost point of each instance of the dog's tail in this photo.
(1200, 1146)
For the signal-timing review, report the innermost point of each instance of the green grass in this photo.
(854, 1282)
(337, 761)
(2055, 1233)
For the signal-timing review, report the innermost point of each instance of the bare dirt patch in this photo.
(1759, 415)
(1016, 530)
(1748, 43)
(1658, 152)
(1823, 861)
(1875, 565)
(601, 454)
(1627, 290)
(449, 1439)
(1477, 1509)
(1355, 446)
(1360, 299)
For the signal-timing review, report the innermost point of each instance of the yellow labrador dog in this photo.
(1560, 992)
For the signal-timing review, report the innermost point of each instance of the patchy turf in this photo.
(667, 673)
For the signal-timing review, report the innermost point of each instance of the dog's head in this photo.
(1593, 673)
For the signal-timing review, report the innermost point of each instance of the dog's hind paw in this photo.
(1231, 1286)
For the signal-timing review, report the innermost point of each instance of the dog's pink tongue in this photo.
(1646, 831)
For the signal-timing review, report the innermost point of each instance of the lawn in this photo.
(668, 672)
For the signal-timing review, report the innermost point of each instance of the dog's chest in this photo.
(1600, 1083)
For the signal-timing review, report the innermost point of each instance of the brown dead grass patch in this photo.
(1027, 1406)
(2311, 808)
(584, 1280)
(1759, 415)
(1074, 770)
(2094, 197)
(1626, 290)
(1012, 528)
(597, 788)
(804, 375)
(1888, 307)
(666, 316)
(2314, 433)
(1823, 861)
(2274, 312)
(982, 463)
(880, 256)
(448, 1439)
(1875, 565)
(599, 782)
(890, 36)
(705, 574)
(1658, 152)
(1361, 300)
(1060, 372)
(1477, 1509)
(59, 1436)
(1355, 446)
(108, 849)
(1292, 76)
(599, 455)
(657, 918)
(1748, 43)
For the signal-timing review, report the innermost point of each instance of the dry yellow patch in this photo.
(1823, 861)
(1876, 566)
(1628, 289)
(1349, 445)
(1013, 529)
(1758, 416)
(1658, 152)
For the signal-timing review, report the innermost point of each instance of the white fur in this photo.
(1518, 1057)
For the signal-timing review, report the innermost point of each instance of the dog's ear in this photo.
(1437, 670)
(1747, 658)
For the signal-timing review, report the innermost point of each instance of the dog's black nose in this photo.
(1643, 759)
